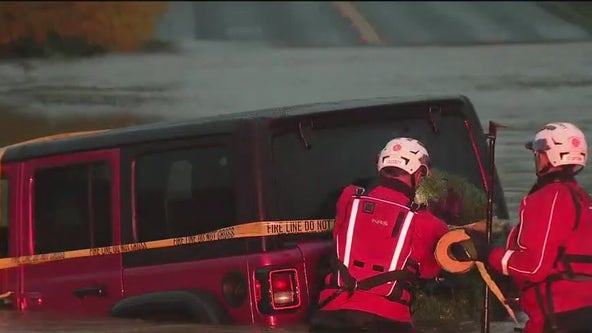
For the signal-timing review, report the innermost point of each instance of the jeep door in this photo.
(72, 203)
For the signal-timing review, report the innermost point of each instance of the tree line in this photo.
(31, 28)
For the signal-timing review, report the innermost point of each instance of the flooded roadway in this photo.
(522, 86)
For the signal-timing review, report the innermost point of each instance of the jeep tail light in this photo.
(284, 289)
(276, 289)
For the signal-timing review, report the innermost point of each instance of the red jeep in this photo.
(167, 180)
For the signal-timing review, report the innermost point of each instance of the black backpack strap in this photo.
(382, 278)
(576, 198)
(406, 278)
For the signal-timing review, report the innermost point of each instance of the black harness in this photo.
(406, 279)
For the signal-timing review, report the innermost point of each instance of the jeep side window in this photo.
(72, 207)
(4, 219)
(183, 192)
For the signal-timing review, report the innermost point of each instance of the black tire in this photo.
(196, 306)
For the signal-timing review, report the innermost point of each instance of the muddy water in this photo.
(522, 86)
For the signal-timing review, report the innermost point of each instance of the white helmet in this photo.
(564, 144)
(404, 153)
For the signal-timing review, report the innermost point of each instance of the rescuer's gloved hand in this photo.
(480, 245)
(474, 249)
(461, 252)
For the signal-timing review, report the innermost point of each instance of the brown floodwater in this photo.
(523, 86)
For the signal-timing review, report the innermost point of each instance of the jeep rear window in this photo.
(308, 181)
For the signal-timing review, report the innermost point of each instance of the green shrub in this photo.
(458, 296)
(436, 187)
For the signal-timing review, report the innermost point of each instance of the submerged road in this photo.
(522, 86)
(380, 23)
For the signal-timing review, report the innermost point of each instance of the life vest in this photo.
(574, 258)
(374, 248)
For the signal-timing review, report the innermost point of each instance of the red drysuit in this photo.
(377, 233)
(552, 240)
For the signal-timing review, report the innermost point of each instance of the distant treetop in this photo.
(120, 26)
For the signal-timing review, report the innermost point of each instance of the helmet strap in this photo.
(542, 172)
(422, 171)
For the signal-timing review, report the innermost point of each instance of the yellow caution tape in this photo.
(253, 229)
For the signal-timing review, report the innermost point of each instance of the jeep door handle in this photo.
(100, 291)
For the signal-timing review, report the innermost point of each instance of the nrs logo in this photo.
(381, 222)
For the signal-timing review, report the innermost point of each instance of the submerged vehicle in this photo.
(175, 179)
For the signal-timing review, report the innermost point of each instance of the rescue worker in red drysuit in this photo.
(548, 254)
(379, 235)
